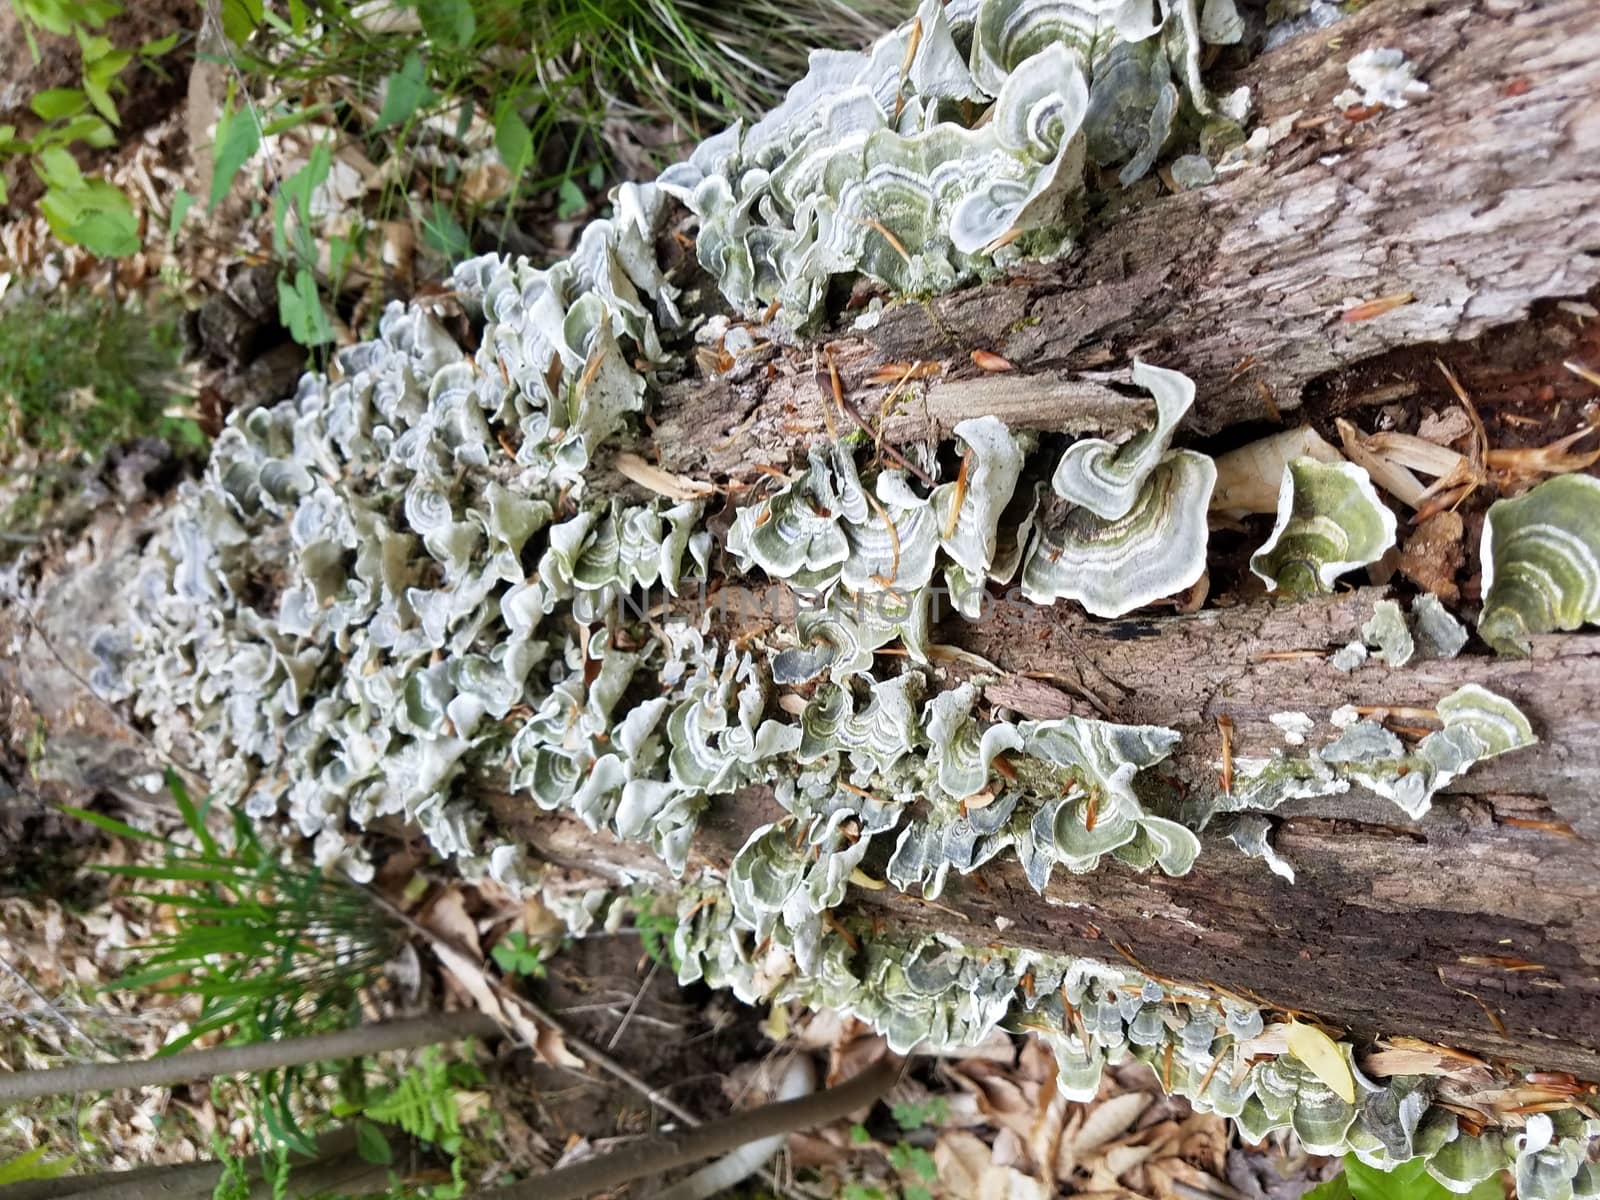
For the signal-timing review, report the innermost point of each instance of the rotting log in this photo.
(1480, 201)
(1392, 927)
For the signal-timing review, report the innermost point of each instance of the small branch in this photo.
(656, 1155)
(335, 1168)
(241, 1060)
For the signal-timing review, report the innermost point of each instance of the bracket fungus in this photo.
(1330, 521)
(864, 168)
(1541, 563)
(1106, 478)
(1155, 549)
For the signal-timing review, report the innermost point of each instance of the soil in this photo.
(684, 1041)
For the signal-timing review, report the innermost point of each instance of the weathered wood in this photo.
(1383, 911)
(1479, 200)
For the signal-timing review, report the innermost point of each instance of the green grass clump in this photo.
(577, 93)
(80, 374)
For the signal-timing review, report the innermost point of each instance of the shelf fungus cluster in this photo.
(933, 993)
(950, 147)
(418, 571)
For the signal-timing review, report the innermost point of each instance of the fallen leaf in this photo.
(447, 917)
(664, 483)
(1322, 1055)
(1109, 1119)
(986, 360)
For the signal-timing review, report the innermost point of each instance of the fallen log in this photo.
(1473, 927)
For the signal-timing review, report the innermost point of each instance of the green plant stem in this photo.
(655, 1156)
(240, 1060)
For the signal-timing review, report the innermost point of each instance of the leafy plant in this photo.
(422, 1102)
(80, 211)
(271, 949)
(909, 1115)
(656, 930)
(1409, 1181)
(916, 1162)
(515, 955)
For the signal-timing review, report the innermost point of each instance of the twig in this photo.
(649, 978)
(657, 1155)
(894, 455)
(242, 1060)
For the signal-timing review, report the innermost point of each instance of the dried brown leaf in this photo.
(662, 482)
(1109, 1119)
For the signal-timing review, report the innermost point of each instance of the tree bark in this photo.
(1377, 931)
(1480, 200)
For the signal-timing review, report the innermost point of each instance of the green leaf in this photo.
(238, 137)
(160, 46)
(916, 1192)
(240, 19)
(94, 215)
(98, 75)
(295, 196)
(933, 1111)
(111, 825)
(913, 1159)
(85, 127)
(859, 1135)
(448, 22)
(372, 1145)
(100, 97)
(181, 204)
(54, 103)
(300, 309)
(513, 140)
(515, 956)
(570, 200)
(1337, 1188)
(404, 93)
(192, 816)
(26, 1168)
(1408, 1181)
(442, 232)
